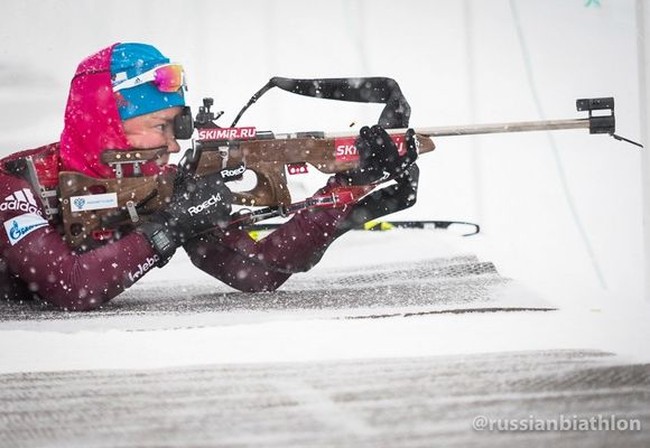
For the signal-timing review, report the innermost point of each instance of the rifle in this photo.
(94, 210)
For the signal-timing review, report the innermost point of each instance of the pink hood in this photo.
(92, 122)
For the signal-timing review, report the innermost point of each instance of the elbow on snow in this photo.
(76, 301)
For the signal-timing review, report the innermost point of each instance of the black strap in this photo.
(17, 167)
(381, 90)
(160, 240)
(390, 199)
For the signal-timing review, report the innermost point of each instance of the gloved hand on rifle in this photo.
(198, 204)
(379, 157)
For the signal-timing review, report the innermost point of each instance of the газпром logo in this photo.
(19, 227)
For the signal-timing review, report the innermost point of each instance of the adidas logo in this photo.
(21, 201)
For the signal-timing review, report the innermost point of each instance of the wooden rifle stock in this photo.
(134, 198)
(268, 157)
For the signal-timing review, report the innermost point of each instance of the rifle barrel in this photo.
(498, 128)
(491, 128)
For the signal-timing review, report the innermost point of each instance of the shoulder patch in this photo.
(21, 201)
(19, 227)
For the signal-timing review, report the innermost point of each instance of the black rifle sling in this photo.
(380, 90)
(396, 114)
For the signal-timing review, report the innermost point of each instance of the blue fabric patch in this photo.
(129, 60)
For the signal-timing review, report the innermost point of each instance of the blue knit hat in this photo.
(129, 60)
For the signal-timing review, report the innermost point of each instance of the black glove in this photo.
(379, 157)
(198, 204)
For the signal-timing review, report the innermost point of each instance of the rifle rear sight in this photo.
(205, 116)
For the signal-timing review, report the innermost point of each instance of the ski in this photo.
(464, 228)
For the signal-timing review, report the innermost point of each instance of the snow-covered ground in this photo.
(398, 338)
(297, 324)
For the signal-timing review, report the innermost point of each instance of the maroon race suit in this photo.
(36, 262)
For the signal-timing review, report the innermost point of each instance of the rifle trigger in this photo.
(133, 213)
(224, 153)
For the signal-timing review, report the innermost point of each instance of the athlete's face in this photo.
(154, 130)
